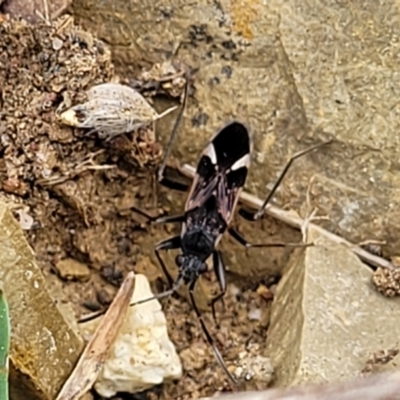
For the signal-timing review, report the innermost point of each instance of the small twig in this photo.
(42, 17)
(304, 227)
(96, 168)
(60, 11)
(93, 357)
(370, 242)
(89, 159)
(55, 180)
(310, 214)
(171, 77)
(65, 23)
(292, 219)
(45, 17)
(308, 220)
(86, 164)
(46, 11)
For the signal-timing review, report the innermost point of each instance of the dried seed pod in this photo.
(112, 109)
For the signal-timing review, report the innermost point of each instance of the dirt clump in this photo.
(387, 281)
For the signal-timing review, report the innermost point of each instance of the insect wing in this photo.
(222, 170)
(228, 192)
(204, 183)
(232, 148)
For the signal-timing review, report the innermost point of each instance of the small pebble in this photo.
(234, 290)
(104, 297)
(265, 293)
(111, 275)
(252, 366)
(254, 314)
(87, 396)
(25, 220)
(91, 305)
(395, 260)
(193, 357)
(70, 269)
(57, 44)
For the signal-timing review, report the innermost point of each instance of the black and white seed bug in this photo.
(220, 176)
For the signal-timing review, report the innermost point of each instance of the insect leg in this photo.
(172, 183)
(160, 174)
(168, 244)
(163, 219)
(254, 216)
(208, 336)
(170, 219)
(219, 269)
(239, 238)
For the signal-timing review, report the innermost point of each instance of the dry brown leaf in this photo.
(89, 365)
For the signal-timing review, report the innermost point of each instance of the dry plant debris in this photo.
(168, 78)
(95, 354)
(381, 357)
(253, 366)
(34, 10)
(387, 281)
(113, 109)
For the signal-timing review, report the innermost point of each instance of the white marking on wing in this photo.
(184, 229)
(210, 152)
(242, 162)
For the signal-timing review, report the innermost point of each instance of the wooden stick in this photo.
(92, 359)
(374, 387)
(292, 219)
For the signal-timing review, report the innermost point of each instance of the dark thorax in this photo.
(202, 229)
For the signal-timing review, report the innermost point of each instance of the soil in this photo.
(77, 198)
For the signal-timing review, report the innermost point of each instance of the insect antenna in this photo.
(254, 216)
(208, 336)
(158, 296)
(161, 295)
(160, 174)
(166, 112)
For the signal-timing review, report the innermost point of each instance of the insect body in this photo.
(220, 176)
